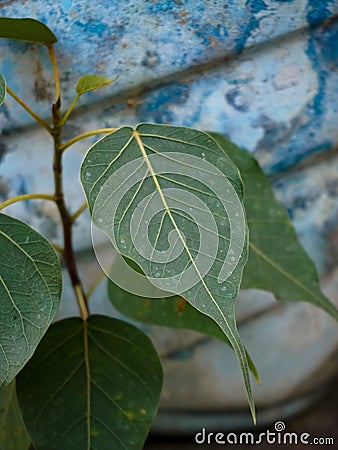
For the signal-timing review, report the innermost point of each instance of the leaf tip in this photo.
(254, 418)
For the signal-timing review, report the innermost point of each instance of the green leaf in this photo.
(174, 312)
(30, 291)
(91, 384)
(277, 261)
(2, 89)
(91, 82)
(13, 434)
(28, 30)
(170, 200)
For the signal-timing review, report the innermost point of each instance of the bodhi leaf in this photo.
(2, 89)
(90, 82)
(173, 312)
(91, 384)
(277, 261)
(13, 434)
(30, 291)
(170, 200)
(28, 30)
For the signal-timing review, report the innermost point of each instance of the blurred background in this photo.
(264, 73)
(319, 420)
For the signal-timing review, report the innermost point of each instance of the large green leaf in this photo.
(170, 199)
(2, 89)
(277, 261)
(13, 434)
(30, 291)
(91, 384)
(174, 312)
(28, 30)
(91, 82)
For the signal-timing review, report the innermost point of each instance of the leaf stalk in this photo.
(23, 197)
(29, 110)
(70, 109)
(85, 135)
(55, 71)
(77, 213)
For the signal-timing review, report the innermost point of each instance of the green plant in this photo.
(172, 201)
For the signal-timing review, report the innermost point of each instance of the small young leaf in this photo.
(160, 184)
(277, 261)
(28, 30)
(13, 434)
(2, 89)
(90, 82)
(91, 384)
(30, 291)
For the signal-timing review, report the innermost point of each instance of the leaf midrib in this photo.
(88, 380)
(286, 274)
(158, 187)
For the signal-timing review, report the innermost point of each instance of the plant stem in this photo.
(85, 135)
(55, 71)
(77, 213)
(29, 110)
(66, 218)
(23, 197)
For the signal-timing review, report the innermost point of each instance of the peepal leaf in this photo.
(91, 384)
(170, 200)
(174, 312)
(277, 261)
(28, 30)
(2, 89)
(30, 291)
(13, 434)
(91, 82)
